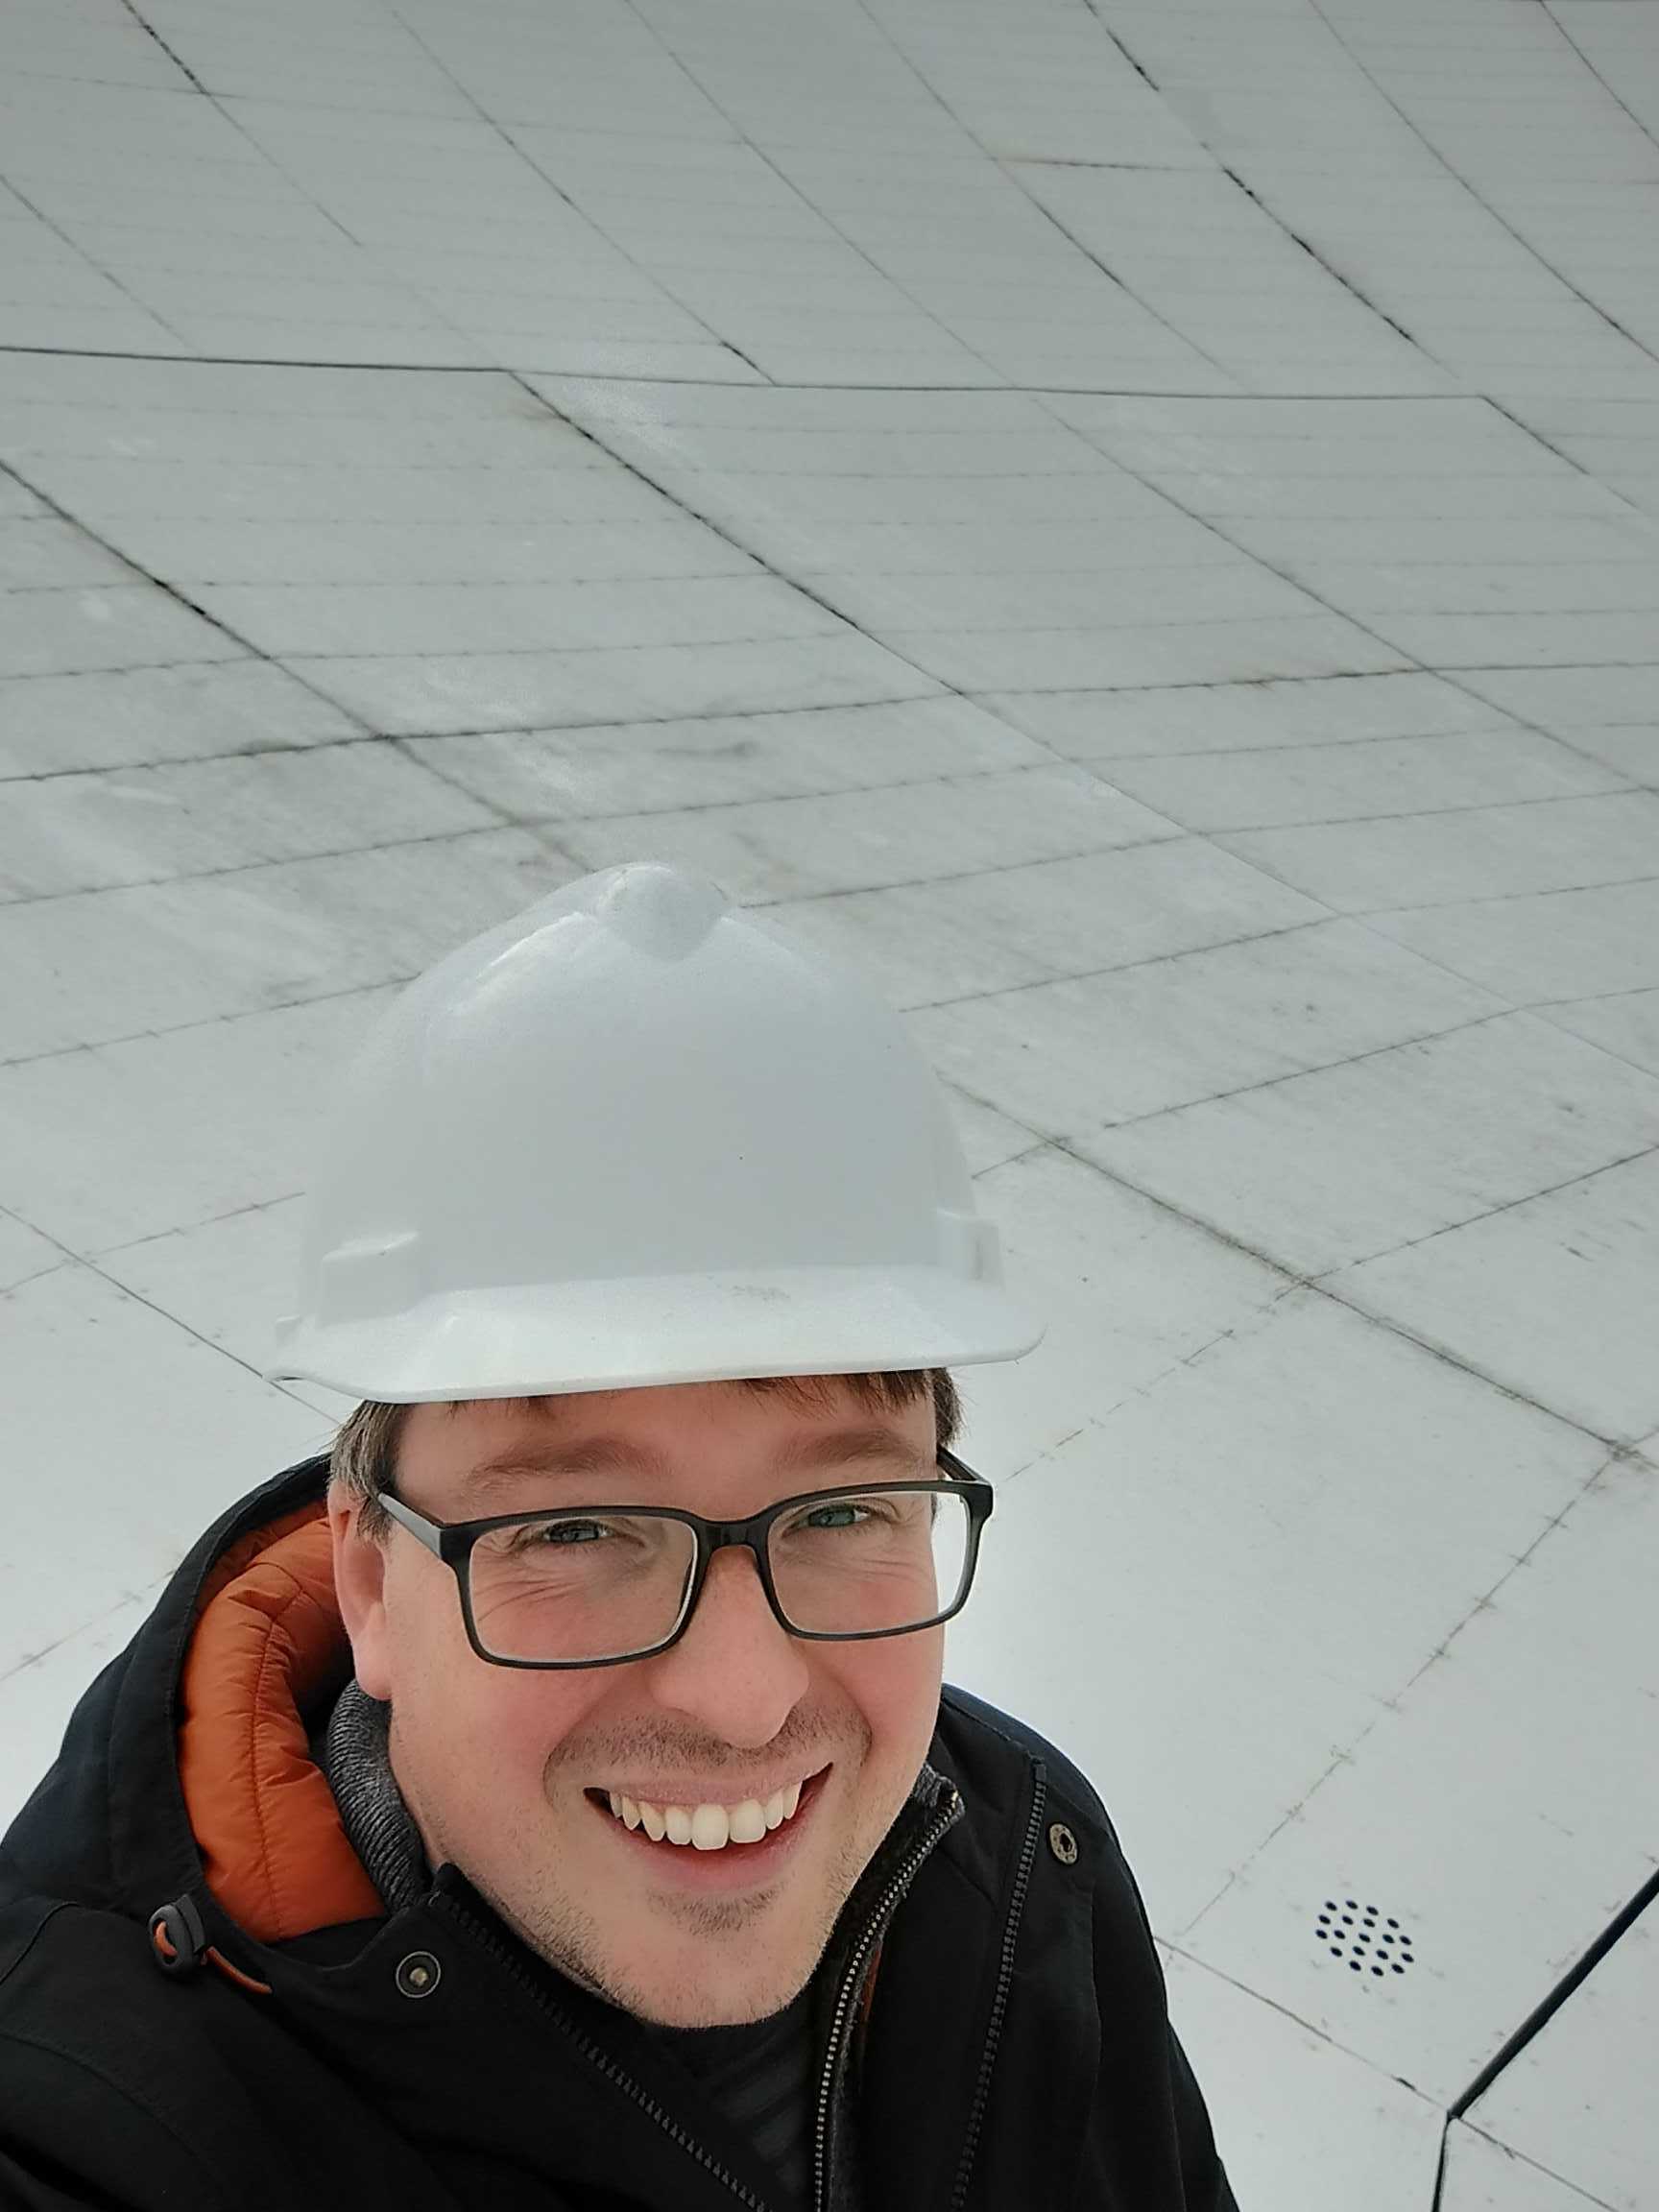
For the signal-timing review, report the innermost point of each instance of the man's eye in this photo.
(547, 1535)
(845, 1513)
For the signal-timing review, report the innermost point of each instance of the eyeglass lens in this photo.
(600, 1585)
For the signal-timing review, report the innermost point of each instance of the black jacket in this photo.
(1014, 2055)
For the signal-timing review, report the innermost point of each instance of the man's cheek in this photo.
(899, 1704)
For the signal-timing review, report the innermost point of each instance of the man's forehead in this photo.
(491, 1443)
(802, 1397)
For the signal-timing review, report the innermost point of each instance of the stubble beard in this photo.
(568, 1935)
(688, 1994)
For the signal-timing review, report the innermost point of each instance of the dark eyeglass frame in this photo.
(452, 1542)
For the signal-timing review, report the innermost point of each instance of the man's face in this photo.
(509, 1772)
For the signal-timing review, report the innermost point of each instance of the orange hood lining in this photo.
(267, 1646)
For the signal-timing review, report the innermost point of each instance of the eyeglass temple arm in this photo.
(417, 1524)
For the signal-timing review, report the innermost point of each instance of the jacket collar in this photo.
(109, 1826)
(268, 1647)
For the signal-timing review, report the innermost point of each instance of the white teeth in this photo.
(748, 1822)
(708, 1827)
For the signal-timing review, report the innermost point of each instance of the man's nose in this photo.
(736, 1670)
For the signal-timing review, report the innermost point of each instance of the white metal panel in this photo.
(1482, 2177)
(1301, 2125)
(1502, 1804)
(1579, 2099)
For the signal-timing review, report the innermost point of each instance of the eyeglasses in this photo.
(598, 1585)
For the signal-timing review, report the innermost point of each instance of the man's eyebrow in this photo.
(585, 1455)
(850, 1447)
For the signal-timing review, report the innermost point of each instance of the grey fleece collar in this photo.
(377, 1820)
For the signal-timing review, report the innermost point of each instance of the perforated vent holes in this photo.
(1368, 1942)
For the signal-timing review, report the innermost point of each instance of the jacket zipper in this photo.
(944, 1819)
(528, 1979)
(999, 2003)
(853, 1979)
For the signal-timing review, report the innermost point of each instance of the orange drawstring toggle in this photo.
(179, 1943)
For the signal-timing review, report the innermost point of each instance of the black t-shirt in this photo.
(761, 2076)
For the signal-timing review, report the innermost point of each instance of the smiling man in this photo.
(549, 1799)
(679, 1833)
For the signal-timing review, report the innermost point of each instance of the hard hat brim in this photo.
(653, 1332)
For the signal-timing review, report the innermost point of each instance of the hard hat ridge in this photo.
(668, 911)
(635, 1136)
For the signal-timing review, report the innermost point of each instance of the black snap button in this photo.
(419, 1975)
(1063, 1843)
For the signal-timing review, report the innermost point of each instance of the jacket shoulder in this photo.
(982, 1736)
(99, 2090)
(139, 2091)
(150, 2091)
(994, 1752)
(962, 1713)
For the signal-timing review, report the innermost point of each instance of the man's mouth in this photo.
(709, 1825)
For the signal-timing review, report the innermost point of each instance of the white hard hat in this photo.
(633, 1137)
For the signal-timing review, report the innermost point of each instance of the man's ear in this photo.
(360, 1592)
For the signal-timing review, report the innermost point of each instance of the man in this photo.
(550, 1801)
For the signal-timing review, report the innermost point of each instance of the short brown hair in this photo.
(364, 1459)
